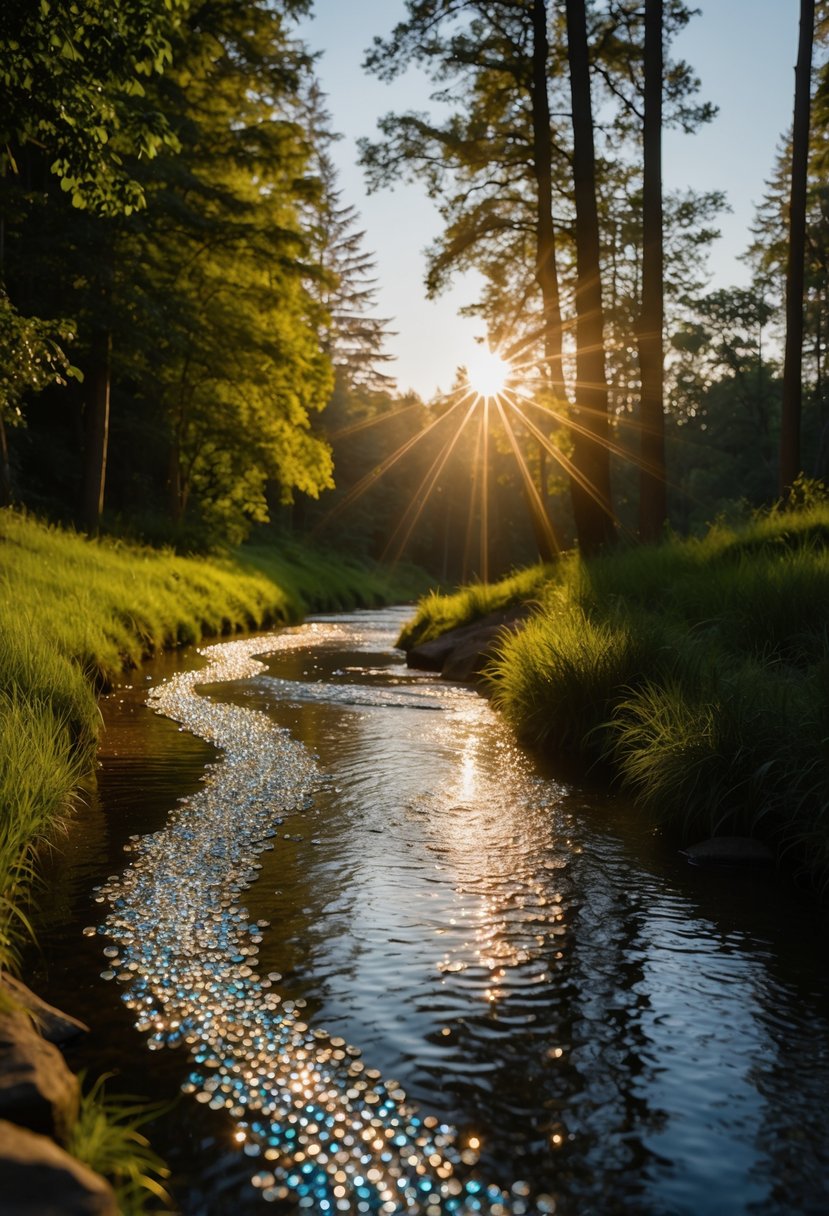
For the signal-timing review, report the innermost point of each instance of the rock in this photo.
(37, 1090)
(54, 1025)
(461, 654)
(729, 851)
(469, 658)
(39, 1179)
(430, 656)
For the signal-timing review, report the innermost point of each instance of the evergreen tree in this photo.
(501, 167)
(350, 333)
(769, 255)
(591, 489)
(227, 271)
(216, 364)
(653, 494)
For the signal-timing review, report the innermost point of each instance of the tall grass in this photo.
(436, 613)
(698, 671)
(40, 765)
(106, 1137)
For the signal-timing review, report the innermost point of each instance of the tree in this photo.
(352, 336)
(500, 165)
(493, 163)
(653, 498)
(591, 490)
(74, 84)
(225, 271)
(74, 92)
(724, 392)
(790, 464)
(34, 359)
(216, 367)
(345, 287)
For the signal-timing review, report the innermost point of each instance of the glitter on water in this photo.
(334, 1133)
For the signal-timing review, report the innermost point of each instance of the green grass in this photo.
(436, 613)
(40, 765)
(106, 1137)
(697, 671)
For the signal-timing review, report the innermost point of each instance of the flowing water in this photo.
(401, 969)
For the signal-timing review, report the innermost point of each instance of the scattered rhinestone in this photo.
(333, 1134)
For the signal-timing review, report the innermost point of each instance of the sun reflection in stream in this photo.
(500, 889)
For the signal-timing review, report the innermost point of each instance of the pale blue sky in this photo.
(744, 52)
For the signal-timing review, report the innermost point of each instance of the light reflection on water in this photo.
(572, 1007)
(331, 1132)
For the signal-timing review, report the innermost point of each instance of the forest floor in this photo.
(694, 674)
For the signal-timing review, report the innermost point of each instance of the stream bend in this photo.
(330, 1130)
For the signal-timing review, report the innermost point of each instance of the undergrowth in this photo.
(106, 1136)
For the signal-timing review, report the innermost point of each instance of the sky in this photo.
(744, 52)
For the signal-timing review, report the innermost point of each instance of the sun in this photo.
(487, 373)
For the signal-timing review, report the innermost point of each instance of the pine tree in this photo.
(351, 333)
(653, 493)
(227, 268)
(500, 166)
(216, 364)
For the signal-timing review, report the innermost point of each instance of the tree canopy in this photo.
(189, 328)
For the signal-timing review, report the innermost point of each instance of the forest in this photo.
(191, 343)
(627, 490)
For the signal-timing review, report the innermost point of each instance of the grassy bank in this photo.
(74, 613)
(437, 613)
(697, 672)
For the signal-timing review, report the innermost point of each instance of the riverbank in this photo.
(74, 613)
(695, 673)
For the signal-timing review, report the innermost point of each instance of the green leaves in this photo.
(70, 78)
(31, 357)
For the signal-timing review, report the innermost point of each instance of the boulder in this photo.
(54, 1025)
(470, 656)
(430, 656)
(729, 851)
(39, 1179)
(462, 653)
(37, 1090)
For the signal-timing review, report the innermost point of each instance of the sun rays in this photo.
(501, 405)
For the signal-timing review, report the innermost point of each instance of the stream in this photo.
(390, 964)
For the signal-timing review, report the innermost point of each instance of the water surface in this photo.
(587, 1023)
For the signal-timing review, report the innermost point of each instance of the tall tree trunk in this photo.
(591, 487)
(5, 468)
(546, 270)
(97, 434)
(793, 359)
(174, 480)
(653, 499)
